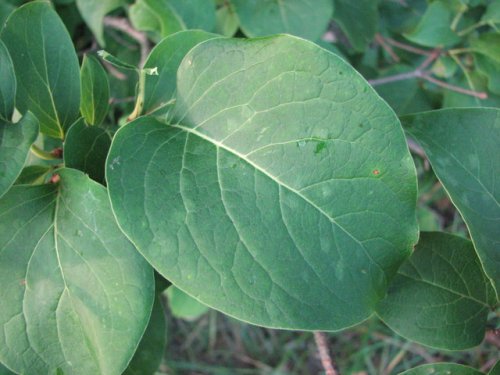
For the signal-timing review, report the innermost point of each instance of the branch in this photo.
(123, 25)
(324, 355)
(407, 47)
(381, 41)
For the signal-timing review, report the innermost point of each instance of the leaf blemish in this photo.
(376, 172)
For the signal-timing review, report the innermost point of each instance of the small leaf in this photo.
(434, 29)
(491, 69)
(296, 17)
(492, 14)
(462, 147)
(358, 20)
(77, 295)
(184, 306)
(106, 56)
(279, 190)
(487, 44)
(166, 17)
(33, 175)
(227, 21)
(46, 66)
(7, 84)
(440, 296)
(150, 351)
(442, 369)
(166, 57)
(95, 91)
(15, 143)
(86, 148)
(93, 12)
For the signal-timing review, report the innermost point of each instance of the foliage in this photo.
(263, 176)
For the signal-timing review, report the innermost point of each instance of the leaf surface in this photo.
(46, 66)
(184, 306)
(440, 296)
(462, 146)
(7, 84)
(94, 91)
(150, 351)
(282, 193)
(296, 17)
(77, 295)
(166, 56)
(15, 143)
(86, 148)
(358, 20)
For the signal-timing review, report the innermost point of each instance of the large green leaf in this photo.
(282, 193)
(462, 146)
(487, 44)
(440, 296)
(15, 143)
(4, 370)
(46, 66)
(434, 29)
(76, 295)
(86, 148)
(298, 17)
(358, 19)
(93, 12)
(150, 351)
(7, 84)
(442, 369)
(166, 57)
(95, 91)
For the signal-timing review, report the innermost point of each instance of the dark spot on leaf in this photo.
(319, 147)
(376, 172)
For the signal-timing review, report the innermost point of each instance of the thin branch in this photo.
(324, 355)
(407, 47)
(394, 78)
(461, 90)
(123, 25)
(435, 53)
(381, 41)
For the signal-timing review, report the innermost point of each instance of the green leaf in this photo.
(150, 351)
(358, 20)
(491, 69)
(495, 370)
(476, 81)
(282, 193)
(184, 306)
(227, 21)
(5, 10)
(33, 175)
(46, 66)
(492, 14)
(297, 17)
(94, 91)
(7, 84)
(166, 17)
(93, 12)
(166, 56)
(4, 370)
(15, 143)
(462, 145)
(77, 295)
(442, 369)
(86, 148)
(434, 29)
(440, 296)
(487, 44)
(106, 56)
(428, 220)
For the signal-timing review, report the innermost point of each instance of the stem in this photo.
(42, 154)
(406, 47)
(324, 355)
(461, 90)
(381, 41)
(141, 92)
(394, 78)
(471, 28)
